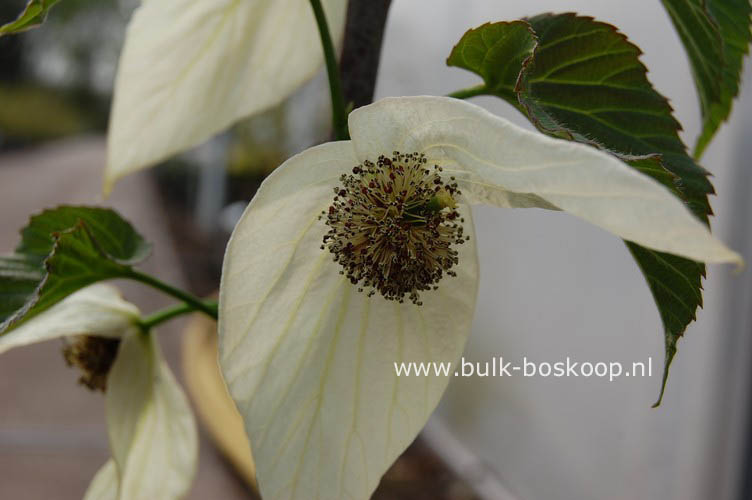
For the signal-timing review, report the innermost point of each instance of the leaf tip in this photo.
(670, 353)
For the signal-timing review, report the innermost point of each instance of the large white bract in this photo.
(150, 425)
(310, 361)
(191, 68)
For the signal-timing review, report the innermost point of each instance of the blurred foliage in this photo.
(65, 10)
(57, 80)
(10, 47)
(32, 113)
(257, 146)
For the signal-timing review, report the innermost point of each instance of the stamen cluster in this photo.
(392, 226)
(94, 356)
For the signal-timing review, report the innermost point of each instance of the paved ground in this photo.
(52, 433)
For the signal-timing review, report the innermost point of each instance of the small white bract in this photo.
(150, 425)
(309, 361)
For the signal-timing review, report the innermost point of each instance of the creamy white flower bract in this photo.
(95, 310)
(151, 428)
(191, 68)
(310, 361)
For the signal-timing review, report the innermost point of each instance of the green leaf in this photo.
(584, 82)
(716, 35)
(496, 52)
(676, 285)
(61, 251)
(32, 16)
(652, 166)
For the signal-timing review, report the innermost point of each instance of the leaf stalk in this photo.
(339, 111)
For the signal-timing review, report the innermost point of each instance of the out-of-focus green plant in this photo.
(38, 113)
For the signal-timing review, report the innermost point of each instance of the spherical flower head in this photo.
(392, 226)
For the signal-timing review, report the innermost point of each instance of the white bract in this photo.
(310, 361)
(191, 68)
(151, 428)
(95, 310)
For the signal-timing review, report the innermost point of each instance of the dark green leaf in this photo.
(716, 35)
(676, 285)
(32, 16)
(652, 166)
(585, 82)
(675, 282)
(496, 52)
(61, 251)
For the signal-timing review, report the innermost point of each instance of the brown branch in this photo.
(361, 51)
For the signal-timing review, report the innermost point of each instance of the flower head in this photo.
(150, 425)
(94, 356)
(393, 225)
(310, 361)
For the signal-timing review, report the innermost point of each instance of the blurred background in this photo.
(551, 287)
